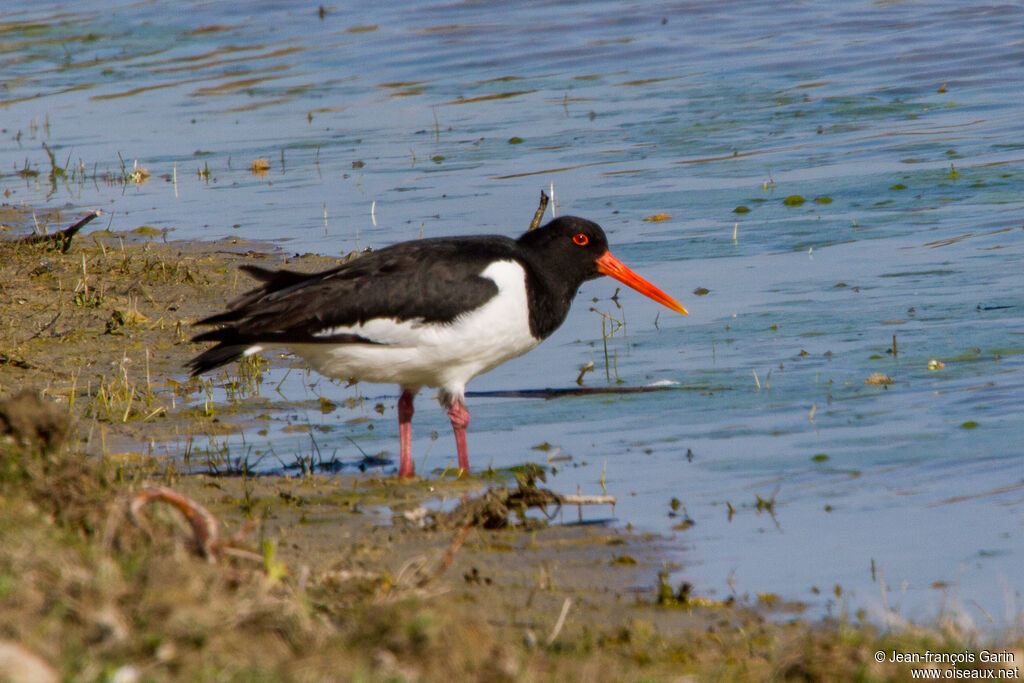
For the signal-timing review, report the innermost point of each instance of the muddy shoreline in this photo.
(354, 577)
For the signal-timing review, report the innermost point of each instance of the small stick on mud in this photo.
(61, 240)
(535, 223)
(204, 524)
(579, 499)
(561, 621)
(452, 549)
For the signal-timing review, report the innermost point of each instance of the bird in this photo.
(433, 312)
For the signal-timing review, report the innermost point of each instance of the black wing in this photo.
(433, 280)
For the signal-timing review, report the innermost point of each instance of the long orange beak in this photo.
(613, 267)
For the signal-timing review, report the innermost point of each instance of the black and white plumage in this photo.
(432, 312)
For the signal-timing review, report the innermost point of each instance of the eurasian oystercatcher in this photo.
(425, 313)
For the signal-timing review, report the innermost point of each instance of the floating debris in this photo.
(658, 217)
(139, 174)
(259, 166)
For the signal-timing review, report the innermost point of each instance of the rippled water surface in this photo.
(899, 124)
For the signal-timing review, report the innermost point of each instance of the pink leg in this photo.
(459, 416)
(405, 466)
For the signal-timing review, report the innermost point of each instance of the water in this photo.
(900, 124)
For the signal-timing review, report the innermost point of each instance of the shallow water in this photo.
(900, 124)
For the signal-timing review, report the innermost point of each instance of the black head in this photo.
(569, 246)
(572, 250)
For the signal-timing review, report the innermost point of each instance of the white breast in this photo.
(414, 353)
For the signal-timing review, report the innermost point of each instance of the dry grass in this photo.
(104, 328)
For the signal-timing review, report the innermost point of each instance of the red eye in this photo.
(580, 239)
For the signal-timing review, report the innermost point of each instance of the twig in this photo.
(452, 549)
(204, 524)
(61, 240)
(535, 223)
(578, 499)
(561, 621)
(243, 554)
(411, 573)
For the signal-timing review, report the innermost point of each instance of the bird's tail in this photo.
(219, 355)
(231, 343)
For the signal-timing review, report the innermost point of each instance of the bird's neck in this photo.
(550, 299)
